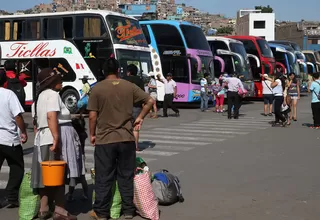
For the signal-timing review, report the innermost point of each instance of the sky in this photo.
(293, 10)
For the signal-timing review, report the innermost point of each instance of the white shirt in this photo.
(169, 86)
(49, 101)
(203, 82)
(266, 87)
(278, 90)
(10, 108)
(234, 84)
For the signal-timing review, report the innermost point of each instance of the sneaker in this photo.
(9, 204)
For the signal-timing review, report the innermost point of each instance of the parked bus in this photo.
(236, 60)
(314, 58)
(260, 48)
(76, 42)
(284, 59)
(174, 49)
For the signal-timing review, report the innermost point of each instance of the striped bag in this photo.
(144, 198)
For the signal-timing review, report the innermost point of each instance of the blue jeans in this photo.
(204, 101)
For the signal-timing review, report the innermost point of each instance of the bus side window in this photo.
(88, 27)
(2, 30)
(64, 68)
(67, 27)
(53, 28)
(146, 33)
(7, 30)
(31, 29)
(18, 30)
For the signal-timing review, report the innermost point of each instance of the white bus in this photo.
(76, 42)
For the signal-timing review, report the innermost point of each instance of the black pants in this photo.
(278, 101)
(233, 99)
(316, 113)
(14, 158)
(168, 102)
(114, 161)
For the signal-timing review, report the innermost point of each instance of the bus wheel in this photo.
(70, 98)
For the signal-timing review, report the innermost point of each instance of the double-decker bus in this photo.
(314, 58)
(180, 48)
(76, 42)
(236, 60)
(260, 48)
(285, 59)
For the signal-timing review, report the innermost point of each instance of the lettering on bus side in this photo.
(172, 52)
(22, 50)
(180, 96)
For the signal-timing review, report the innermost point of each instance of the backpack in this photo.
(167, 188)
(14, 85)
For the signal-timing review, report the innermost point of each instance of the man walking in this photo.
(10, 143)
(204, 93)
(111, 132)
(132, 71)
(170, 88)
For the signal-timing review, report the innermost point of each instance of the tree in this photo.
(225, 30)
(264, 9)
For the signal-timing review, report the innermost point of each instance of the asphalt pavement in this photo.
(229, 169)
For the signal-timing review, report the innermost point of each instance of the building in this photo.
(138, 10)
(305, 33)
(255, 23)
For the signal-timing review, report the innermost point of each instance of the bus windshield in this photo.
(294, 66)
(141, 59)
(191, 33)
(126, 31)
(317, 54)
(241, 69)
(265, 49)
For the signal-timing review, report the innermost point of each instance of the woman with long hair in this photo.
(294, 93)
(55, 139)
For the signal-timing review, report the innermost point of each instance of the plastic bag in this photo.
(29, 201)
(144, 198)
(83, 102)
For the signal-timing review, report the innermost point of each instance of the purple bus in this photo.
(180, 48)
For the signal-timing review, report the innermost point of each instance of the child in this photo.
(79, 125)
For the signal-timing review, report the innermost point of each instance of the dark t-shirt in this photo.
(138, 82)
(113, 101)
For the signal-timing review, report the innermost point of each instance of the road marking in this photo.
(157, 153)
(223, 128)
(237, 123)
(165, 147)
(182, 138)
(201, 131)
(158, 134)
(176, 142)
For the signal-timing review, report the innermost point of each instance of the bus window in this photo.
(167, 35)
(215, 45)
(88, 27)
(31, 29)
(2, 30)
(67, 27)
(192, 32)
(17, 30)
(64, 68)
(146, 33)
(52, 28)
(7, 30)
(250, 47)
(177, 66)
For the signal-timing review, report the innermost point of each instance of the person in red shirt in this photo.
(10, 68)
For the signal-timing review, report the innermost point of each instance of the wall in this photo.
(268, 31)
(290, 32)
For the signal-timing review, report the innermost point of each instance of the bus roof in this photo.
(66, 13)
(170, 22)
(245, 37)
(278, 47)
(230, 40)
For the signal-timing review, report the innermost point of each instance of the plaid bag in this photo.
(115, 209)
(29, 202)
(144, 199)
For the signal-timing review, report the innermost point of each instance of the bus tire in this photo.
(70, 98)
